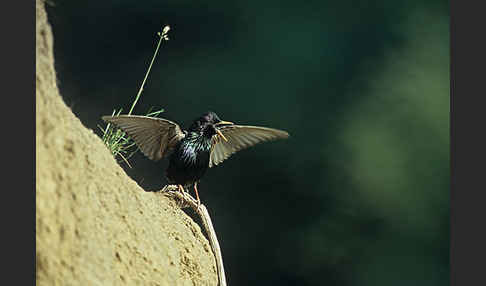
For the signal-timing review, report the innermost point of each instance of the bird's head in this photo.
(208, 125)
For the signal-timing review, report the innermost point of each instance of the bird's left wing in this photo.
(154, 136)
(240, 137)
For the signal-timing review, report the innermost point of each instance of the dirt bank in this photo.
(95, 225)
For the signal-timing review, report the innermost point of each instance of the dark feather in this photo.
(240, 137)
(154, 136)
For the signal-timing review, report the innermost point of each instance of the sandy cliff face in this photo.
(94, 225)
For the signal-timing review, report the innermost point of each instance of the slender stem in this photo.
(162, 36)
(208, 225)
(188, 201)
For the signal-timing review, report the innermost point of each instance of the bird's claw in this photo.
(197, 195)
(182, 191)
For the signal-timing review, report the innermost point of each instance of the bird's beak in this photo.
(221, 135)
(219, 132)
(224, 123)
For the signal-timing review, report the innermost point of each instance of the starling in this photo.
(206, 143)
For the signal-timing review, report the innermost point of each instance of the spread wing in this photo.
(154, 136)
(240, 137)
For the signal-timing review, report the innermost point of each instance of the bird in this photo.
(207, 142)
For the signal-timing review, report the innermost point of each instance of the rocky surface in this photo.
(95, 225)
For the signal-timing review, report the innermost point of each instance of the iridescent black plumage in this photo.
(190, 159)
(206, 143)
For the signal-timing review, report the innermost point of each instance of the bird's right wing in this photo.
(154, 136)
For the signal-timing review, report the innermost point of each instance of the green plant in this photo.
(117, 141)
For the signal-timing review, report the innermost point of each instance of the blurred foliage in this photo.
(359, 195)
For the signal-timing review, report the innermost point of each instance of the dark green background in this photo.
(359, 194)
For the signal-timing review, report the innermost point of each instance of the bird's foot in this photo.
(185, 196)
(169, 188)
(197, 195)
(182, 191)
